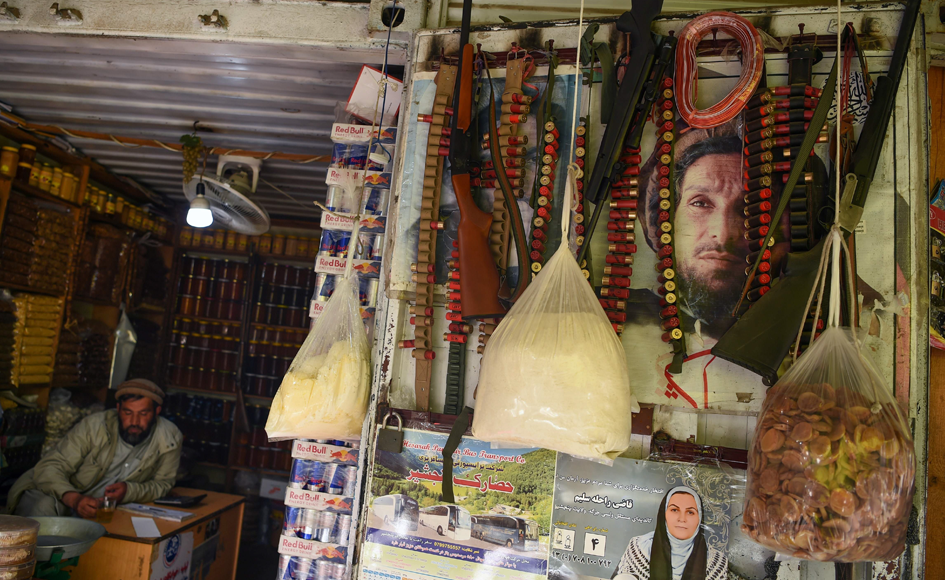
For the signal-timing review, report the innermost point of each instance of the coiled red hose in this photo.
(687, 69)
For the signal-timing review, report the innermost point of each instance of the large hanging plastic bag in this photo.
(324, 394)
(554, 373)
(125, 340)
(832, 465)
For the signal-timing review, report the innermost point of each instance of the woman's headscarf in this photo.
(670, 554)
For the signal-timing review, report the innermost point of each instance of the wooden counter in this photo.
(214, 530)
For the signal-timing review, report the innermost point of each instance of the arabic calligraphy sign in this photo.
(498, 526)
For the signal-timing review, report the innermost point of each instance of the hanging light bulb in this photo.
(199, 215)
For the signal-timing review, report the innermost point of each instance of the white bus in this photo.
(448, 520)
(398, 510)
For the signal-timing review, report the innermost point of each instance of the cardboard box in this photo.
(364, 98)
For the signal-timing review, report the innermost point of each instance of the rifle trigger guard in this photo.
(849, 214)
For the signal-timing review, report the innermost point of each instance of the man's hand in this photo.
(117, 491)
(83, 505)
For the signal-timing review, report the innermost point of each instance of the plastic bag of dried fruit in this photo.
(324, 394)
(832, 464)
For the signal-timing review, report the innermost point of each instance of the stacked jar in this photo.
(301, 247)
(270, 353)
(205, 423)
(254, 448)
(18, 537)
(281, 299)
(215, 239)
(210, 288)
(204, 354)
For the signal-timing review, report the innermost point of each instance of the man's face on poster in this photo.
(711, 248)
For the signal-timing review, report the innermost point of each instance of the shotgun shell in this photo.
(536, 256)
(423, 279)
(623, 293)
(423, 311)
(539, 223)
(617, 226)
(762, 267)
(454, 275)
(663, 264)
(550, 128)
(758, 220)
(540, 235)
(623, 249)
(513, 119)
(664, 252)
(421, 321)
(757, 293)
(615, 281)
(453, 285)
(537, 245)
(618, 259)
(625, 194)
(424, 354)
(616, 316)
(762, 207)
(663, 216)
(544, 213)
(460, 338)
(754, 256)
(669, 312)
(622, 214)
(623, 204)
(612, 304)
(406, 343)
(454, 316)
(756, 233)
(670, 323)
(618, 271)
(536, 267)
(760, 280)
(621, 237)
(668, 299)
(666, 239)
(516, 108)
(417, 267)
(674, 334)
(757, 196)
(618, 328)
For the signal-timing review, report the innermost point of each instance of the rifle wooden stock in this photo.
(479, 276)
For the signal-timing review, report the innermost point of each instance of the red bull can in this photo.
(335, 198)
(339, 155)
(344, 480)
(342, 240)
(367, 292)
(310, 524)
(357, 157)
(324, 570)
(324, 287)
(378, 158)
(284, 562)
(301, 473)
(316, 480)
(366, 246)
(299, 569)
(342, 531)
(340, 572)
(374, 201)
(326, 527)
(293, 524)
(327, 243)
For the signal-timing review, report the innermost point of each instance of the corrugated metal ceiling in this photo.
(251, 97)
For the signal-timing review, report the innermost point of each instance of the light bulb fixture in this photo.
(199, 215)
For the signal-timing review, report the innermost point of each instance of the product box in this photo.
(346, 133)
(341, 176)
(324, 453)
(272, 488)
(363, 99)
(345, 222)
(312, 550)
(315, 500)
(336, 266)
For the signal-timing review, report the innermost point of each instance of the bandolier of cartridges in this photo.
(515, 106)
(775, 122)
(424, 268)
(547, 165)
(580, 152)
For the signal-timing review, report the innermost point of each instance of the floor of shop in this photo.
(257, 562)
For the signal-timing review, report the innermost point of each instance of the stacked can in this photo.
(296, 568)
(543, 202)
(580, 150)
(776, 121)
(669, 311)
(332, 478)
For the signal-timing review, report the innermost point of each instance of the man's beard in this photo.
(134, 438)
(711, 301)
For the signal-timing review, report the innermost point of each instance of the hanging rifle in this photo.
(636, 94)
(479, 277)
(762, 337)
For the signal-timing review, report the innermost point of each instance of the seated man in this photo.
(130, 454)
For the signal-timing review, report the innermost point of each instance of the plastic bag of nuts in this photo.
(832, 464)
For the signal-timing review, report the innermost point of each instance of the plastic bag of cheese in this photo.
(324, 394)
(554, 373)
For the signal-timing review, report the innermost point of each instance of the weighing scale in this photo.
(60, 543)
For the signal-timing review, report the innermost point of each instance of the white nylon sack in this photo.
(325, 393)
(554, 373)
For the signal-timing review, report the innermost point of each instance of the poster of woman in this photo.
(676, 549)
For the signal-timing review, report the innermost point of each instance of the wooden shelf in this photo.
(12, 286)
(211, 465)
(203, 392)
(93, 301)
(284, 258)
(115, 220)
(277, 327)
(257, 470)
(205, 319)
(213, 251)
(31, 190)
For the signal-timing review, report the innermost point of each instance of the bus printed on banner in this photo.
(509, 531)
(398, 509)
(451, 521)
